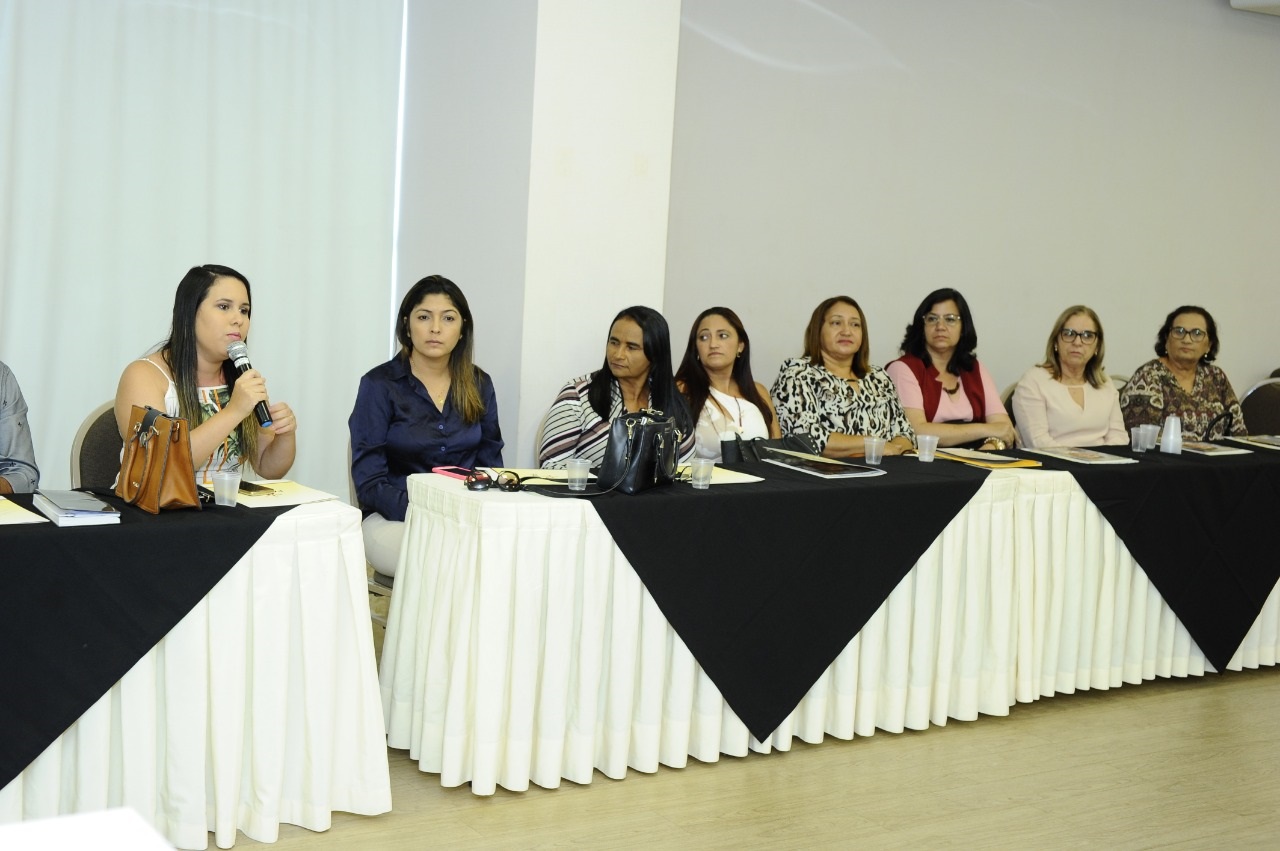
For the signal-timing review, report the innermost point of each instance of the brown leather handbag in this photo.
(157, 471)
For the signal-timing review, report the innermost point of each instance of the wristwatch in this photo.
(996, 442)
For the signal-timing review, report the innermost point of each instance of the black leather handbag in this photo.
(642, 452)
(739, 451)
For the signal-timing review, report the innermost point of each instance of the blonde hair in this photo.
(1093, 370)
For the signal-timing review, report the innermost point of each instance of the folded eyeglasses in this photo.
(505, 480)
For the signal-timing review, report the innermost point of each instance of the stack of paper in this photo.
(13, 514)
(281, 492)
(986, 460)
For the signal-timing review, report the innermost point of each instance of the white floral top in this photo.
(212, 399)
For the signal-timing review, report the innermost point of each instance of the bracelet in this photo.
(997, 443)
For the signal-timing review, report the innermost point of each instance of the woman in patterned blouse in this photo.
(636, 375)
(833, 394)
(1184, 381)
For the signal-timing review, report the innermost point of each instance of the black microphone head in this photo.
(238, 352)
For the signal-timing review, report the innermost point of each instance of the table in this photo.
(118, 828)
(522, 647)
(260, 707)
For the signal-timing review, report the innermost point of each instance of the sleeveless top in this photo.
(732, 415)
(212, 399)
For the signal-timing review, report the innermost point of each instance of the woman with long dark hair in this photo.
(944, 389)
(715, 377)
(190, 376)
(636, 375)
(429, 406)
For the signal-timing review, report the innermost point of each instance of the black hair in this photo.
(663, 394)
(964, 358)
(464, 375)
(179, 351)
(693, 376)
(1162, 336)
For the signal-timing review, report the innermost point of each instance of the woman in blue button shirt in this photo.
(429, 406)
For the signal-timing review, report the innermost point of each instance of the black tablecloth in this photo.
(767, 583)
(79, 606)
(1200, 527)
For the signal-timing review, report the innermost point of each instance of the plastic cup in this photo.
(1136, 441)
(1150, 434)
(579, 469)
(926, 445)
(700, 471)
(874, 449)
(226, 484)
(1171, 435)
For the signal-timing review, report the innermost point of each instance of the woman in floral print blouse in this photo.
(1184, 381)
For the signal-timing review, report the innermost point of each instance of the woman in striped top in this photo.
(636, 375)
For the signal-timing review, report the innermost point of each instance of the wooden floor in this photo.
(1189, 763)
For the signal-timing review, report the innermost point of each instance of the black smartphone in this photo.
(255, 489)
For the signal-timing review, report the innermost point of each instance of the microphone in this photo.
(238, 352)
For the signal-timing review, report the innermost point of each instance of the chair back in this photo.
(1261, 407)
(1006, 399)
(95, 451)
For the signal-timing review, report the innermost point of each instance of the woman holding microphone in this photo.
(190, 376)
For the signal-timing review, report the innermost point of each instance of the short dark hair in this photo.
(813, 335)
(1162, 336)
(964, 358)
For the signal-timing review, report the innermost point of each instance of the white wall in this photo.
(536, 175)
(468, 117)
(1032, 155)
(604, 101)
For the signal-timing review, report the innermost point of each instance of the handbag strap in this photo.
(139, 436)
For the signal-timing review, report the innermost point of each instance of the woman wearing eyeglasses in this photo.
(833, 394)
(1184, 381)
(944, 389)
(1068, 400)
